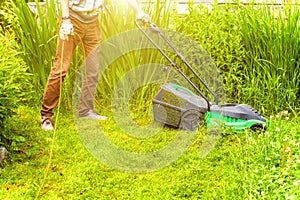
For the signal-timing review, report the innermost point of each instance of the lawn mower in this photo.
(180, 107)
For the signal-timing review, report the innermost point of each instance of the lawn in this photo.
(244, 165)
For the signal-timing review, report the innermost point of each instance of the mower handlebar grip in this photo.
(152, 27)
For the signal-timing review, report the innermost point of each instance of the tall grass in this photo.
(37, 38)
(271, 38)
(256, 49)
(120, 36)
(217, 32)
(15, 89)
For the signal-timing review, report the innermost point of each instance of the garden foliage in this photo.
(36, 34)
(15, 88)
(271, 39)
(256, 48)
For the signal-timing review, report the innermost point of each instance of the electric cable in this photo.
(55, 127)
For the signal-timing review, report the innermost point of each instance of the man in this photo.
(80, 22)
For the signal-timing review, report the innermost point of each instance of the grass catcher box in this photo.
(178, 107)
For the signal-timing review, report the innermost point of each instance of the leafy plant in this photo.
(37, 38)
(6, 20)
(216, 30)
(15, 88)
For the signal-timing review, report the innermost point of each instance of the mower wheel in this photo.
(257, 127)
(190, 120)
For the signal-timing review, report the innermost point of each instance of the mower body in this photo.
(236, 116)
(179, 107)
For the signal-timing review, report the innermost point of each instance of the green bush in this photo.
(6, 20)
(15, 88)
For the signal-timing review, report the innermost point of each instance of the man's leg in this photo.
(58, 72)
(92, 41)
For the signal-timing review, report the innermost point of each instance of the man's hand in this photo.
(143, 17)
(65, 30)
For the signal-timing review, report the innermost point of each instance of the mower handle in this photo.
(153, 28)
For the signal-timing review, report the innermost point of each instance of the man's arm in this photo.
(140, 13)
(65, 8)
(134, 5)
(66, 27)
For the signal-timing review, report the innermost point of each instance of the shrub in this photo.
(15, 87)
(5, 19)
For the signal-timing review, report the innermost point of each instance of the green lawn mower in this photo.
(180, 107)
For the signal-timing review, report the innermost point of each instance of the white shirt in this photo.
(85, 5)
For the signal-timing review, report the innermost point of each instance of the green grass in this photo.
(241, 166)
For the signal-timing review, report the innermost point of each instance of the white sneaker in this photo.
(93, 115)
(3, 153)
(46, 123)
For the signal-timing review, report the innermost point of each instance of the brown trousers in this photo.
(89, 34)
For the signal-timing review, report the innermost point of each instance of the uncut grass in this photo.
(220, 39)
(273, 155)
(37, 39)
(271, 38)
(255, 49)
(114, 25)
